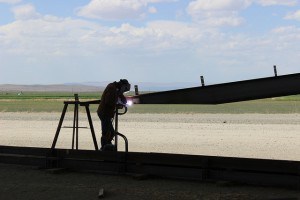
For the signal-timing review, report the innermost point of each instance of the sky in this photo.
(55, 42)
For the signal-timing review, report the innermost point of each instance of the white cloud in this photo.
(10, 1)
(25, 12)
(152, 10)
(107, 9)
(226, 12)
(66, 36)
(217, 12)
(202, 5)
(118, 9)
(293, 16)
(50, 37)
(45, 36)
(156, 36)
(288, 34)
(231, 20)
(277, 2)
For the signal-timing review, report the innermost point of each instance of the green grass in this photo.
(47, 95)
(50, 95)
(53, 102)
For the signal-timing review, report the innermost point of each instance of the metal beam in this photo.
(226, 92)
(191, 167)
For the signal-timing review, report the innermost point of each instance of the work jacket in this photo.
(109, 100)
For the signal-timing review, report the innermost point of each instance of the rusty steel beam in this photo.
(227, 92)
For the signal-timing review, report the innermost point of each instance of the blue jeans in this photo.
(108, 131)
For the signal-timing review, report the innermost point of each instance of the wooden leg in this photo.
(76, 105)
(59, 126)
(74, 124)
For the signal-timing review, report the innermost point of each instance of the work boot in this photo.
(108, 147)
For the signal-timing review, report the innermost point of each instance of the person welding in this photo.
(111, 99)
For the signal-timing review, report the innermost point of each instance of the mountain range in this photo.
(93, 87)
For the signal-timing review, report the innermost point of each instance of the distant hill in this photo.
(50, 88)
(94, 87)
(147, 86)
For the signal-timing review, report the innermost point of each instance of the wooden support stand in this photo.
(75, 127)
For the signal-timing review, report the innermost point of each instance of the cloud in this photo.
(152, 10)
(10, 1)
(217, 12)
(118, 9)
(156, 36)
(53, 36)
(232, 5)
(277, 2)
(46, 37)
(25, 12)
(287, 36)
(112, 10)
(226, 12)
(293, 16)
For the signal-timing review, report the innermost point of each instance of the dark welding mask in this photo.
(125, 86)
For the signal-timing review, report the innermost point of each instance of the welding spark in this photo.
(129, 103)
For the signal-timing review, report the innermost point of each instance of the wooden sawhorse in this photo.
(75, 127)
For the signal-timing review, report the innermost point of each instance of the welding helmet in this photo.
(124, 85)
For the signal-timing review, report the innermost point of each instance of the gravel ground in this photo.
(270, 136)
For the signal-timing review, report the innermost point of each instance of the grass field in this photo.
(46, 95)
(53, 102)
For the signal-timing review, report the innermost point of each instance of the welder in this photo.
(111, 99)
